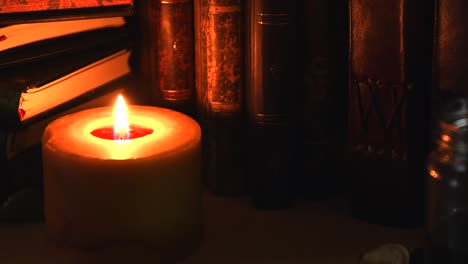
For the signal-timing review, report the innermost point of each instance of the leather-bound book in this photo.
(322, 30)
(219, 63)
(272, 102)
(389, 108)
(141, 60)
(173, 60)
(450, 48)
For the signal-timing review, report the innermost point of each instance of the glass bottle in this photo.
(447, 187)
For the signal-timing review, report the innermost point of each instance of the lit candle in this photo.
(108, 179)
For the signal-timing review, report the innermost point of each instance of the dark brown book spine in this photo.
(219, 83)
(142, 30)
(389, 107)
(450, 48)
(271, 100)
(173, 55)
(5, 179)
(322, 43)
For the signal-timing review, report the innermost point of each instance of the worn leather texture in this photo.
(220, 89)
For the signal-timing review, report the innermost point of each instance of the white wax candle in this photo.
(146, 189)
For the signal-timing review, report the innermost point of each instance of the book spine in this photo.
(323, 32)
(389, 106)
(271, 101)
(174, 55)
(143, 30)
(9, 180)
(449, 48)
(10, 111)
(219, 83)
(315, 33)
(5, 178)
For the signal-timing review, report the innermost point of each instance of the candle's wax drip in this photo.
(134, 132)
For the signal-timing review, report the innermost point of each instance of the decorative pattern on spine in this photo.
(219, 83)
(389, 108)
(378, 118)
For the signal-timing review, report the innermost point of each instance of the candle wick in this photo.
(121, 135)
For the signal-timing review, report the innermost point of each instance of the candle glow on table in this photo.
(108, 179)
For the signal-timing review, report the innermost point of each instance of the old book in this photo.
(22, 34)
(28, 135)
(450, 41)
(26, 43)
(219, 77)
(172, 54)
(31, 93)
(389, 108)
(271, 95)
(141, 61)
(322, 29)
(14, 12)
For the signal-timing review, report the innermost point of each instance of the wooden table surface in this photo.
(235, 232)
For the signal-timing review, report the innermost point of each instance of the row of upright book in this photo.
(235, 65)
(302, 97)
(55, 58)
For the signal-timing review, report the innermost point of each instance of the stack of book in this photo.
(54, 59)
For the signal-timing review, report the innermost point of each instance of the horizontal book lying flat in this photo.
(18, 46)
(28, 136)
(23, 106)
(22, 34)
(41, 99)
(35, 73)
(15, 11)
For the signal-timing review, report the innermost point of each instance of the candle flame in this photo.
(121, 128)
